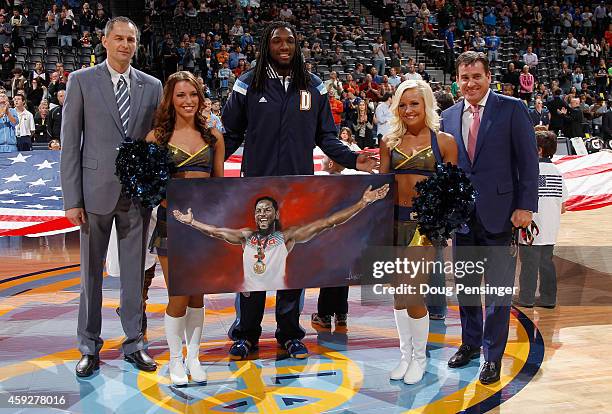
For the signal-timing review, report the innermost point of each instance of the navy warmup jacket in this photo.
(280, 128)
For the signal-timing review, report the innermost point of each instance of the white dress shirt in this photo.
(26, 126)
(394, 81)
(413, 76)
(383, 117)
(467, 117)
(530, 59)
(115, 76)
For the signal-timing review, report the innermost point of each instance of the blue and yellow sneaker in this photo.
(296, 349)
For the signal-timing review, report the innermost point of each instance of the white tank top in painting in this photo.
(264, 260)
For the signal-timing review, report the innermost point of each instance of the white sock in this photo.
(402, 324)
(194, 323)
(175, 329)
(420, 333)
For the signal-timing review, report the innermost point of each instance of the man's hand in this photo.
(186, 218)
(367, 163)
(370, 196)
(76, 216)
(521, 218)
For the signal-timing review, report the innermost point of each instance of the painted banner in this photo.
(270, 233)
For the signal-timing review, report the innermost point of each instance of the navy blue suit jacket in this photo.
(505, 168)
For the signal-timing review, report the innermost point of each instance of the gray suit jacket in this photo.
(92, 132)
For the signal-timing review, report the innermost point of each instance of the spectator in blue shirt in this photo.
(246, 40)
(235, 56)
(492, 42)
(213, 120)
(181, 54)
(449, 48)
(224, 75)
(376, 77)
(217, 43)
(490, 20)
(6, 30)
(8, 121)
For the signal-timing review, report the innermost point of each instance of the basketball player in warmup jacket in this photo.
(280, 112)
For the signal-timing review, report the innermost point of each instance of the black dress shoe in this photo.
(464, 355)
(545, 305)
(141, 360)
(87, 365)
(490, 372)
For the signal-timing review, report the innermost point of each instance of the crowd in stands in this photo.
(42, 42)
(556, 53)
(534, 49)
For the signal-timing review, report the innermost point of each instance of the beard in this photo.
(283, 66)
(267, 231)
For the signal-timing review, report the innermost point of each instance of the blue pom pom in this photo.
(144, 170)
(444, 203)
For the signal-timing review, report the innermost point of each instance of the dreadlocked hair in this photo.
(165, 116)
(300, 78)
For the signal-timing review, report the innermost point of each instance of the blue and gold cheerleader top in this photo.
(202, 160)
(422, 163)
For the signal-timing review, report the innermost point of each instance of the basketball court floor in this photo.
(556, 360)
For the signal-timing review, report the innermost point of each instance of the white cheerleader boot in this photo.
(403, 330)
(420, 331)
(175, 328)
(194, 321)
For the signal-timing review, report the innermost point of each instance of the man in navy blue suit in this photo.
(498, 152)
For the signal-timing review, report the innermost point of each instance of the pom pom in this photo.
(444, 204)
(144, 169)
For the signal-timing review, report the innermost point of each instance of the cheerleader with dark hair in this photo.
(197, 151)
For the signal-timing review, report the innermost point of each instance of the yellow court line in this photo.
(39, 276)
(474, 392)
(262, 394)
(257, 389)
(5, 304)
(9, 304)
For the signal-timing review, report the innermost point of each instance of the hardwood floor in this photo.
(576, 375)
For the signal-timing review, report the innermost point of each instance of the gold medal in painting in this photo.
(259, 267)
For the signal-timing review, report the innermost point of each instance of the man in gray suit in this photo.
(104, 105)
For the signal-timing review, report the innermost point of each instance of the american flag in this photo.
(550, 185)
(588, 179)
(31, 194)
